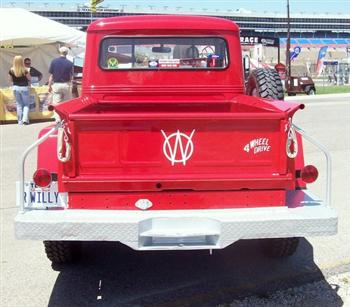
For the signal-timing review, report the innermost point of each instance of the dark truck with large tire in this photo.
(163, 150)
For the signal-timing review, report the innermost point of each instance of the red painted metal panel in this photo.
(179, 200)
(189, 182)
(136, 152)
(126, 155)
(162, 22)
(47, 157)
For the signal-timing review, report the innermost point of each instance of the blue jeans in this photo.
(21, 94)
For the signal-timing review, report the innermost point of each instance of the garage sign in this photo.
(265, 41)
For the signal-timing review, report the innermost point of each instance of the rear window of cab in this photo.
(149, 53)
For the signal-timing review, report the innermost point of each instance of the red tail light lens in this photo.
(42, 177)
(309, 174)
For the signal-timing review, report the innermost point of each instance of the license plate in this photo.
(43, 198)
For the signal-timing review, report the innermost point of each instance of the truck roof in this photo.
(164, 22)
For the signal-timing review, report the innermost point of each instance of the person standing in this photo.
(35, 74)
(61, 71)
(20, 78)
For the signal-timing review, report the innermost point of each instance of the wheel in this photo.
(280, 247)
(310, 90)
(62, 251)
(265, 83)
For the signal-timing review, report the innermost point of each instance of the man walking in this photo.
(34, 73)
(61, 71)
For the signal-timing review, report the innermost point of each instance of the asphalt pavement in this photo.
(114, 275)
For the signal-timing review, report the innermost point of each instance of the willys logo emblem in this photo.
(178, 147)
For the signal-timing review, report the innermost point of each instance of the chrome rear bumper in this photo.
(303, 216)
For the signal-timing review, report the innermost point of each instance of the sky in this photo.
(258, 6)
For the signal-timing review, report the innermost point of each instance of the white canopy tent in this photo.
(36, 37)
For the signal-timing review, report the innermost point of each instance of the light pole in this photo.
(288, 43)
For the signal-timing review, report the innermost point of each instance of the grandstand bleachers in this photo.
(316, 42)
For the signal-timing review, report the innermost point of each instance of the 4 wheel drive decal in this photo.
(258, 145)
(178, 147)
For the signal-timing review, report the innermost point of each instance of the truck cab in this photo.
(164, 151)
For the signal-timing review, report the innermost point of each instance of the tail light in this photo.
(42, 177)
(309, 174)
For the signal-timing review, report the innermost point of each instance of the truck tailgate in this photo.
(125, 150)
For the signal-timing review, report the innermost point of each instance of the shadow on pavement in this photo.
(114, 275)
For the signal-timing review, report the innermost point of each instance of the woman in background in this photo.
(20, 78)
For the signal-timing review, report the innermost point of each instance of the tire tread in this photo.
(267, 82)
(62, 251)
(280, 247)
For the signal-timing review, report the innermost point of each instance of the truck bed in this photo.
(175, 147)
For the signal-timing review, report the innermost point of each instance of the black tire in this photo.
(265, 83)
(310, 90)
(62, 251)
(280, 247)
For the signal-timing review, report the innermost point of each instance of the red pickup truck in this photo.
(163, 150)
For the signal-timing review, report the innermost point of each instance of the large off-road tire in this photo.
(265, 83)
(62, 251)
(280, 247)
